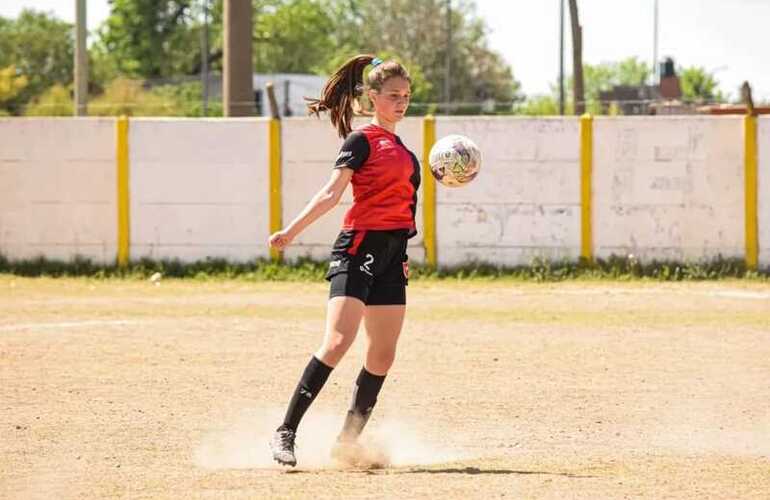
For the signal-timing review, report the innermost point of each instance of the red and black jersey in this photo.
(385, 180)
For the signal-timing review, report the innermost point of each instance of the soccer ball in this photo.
(455, 160)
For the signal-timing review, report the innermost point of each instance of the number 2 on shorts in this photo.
(368, 262)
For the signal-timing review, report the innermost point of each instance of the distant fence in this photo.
(682, 188)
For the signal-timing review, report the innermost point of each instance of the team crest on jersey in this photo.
(385, 144)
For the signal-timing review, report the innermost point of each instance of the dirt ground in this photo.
(500, 389)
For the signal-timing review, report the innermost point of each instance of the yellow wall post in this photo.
(124, 221)
(586, 172)
(276, 207)
(752, 224)
(429, 192)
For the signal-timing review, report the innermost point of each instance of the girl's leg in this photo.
(383, 325)
(343, 316)
(342, 320)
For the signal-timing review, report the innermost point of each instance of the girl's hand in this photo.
(280, 240)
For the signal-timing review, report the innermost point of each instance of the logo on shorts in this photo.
(334, 263)
(367, 263)
(406, 269)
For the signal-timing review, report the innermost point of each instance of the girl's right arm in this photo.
(324, 200)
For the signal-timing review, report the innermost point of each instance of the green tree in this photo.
(699, 85)
(124, 96)
(597, 78)
(41, 49)
(160, 39)
(11, 84)
(293, 36)
(543, 105)
(603, 77)
(416, 30)
(151, 38)
(56, 101)
(187, 99)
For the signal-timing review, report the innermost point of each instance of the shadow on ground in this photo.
(478, 470)
(449, 470)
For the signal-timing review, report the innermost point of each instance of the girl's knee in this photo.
(334, 348)
(379, 362)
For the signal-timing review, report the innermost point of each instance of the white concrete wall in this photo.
(310, 147)
(669, 187)
(199, 188)
(58, 188)
(664, 188)
(763, 188)
(524, 204)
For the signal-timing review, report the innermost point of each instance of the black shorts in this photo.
(371, 266)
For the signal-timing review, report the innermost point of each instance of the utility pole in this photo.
(237, 78)
(577, 59)
(205, 58)
(448, 63)
(81, 58)
(561, 57)
(655, 46)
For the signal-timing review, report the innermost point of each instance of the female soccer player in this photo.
(368, 269)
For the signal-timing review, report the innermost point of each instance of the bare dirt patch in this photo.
(579, 390)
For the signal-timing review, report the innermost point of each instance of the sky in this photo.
(723, 36)
(726, 37)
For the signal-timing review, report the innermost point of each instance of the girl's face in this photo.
(392, 100)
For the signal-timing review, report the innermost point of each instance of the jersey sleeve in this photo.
(354, 151)
(416, 178)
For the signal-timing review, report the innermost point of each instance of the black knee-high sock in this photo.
(365, 394)
(310, 384)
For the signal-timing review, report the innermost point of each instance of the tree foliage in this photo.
(604, 76)
(158, 41)
(416, 30)
(40, 47)
(128, 97)
(56, 101)
(185, 99)
(150, 38)
(292, 37)
(699, 85)
(11, 84)
(543, 105)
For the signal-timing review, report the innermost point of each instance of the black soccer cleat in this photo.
(282, 446)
